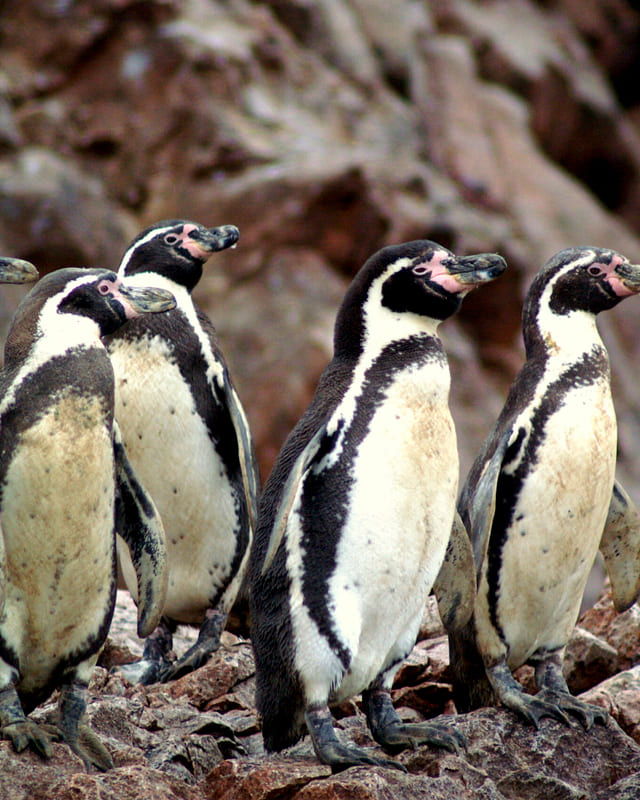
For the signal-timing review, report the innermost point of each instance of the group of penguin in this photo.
(126, 455)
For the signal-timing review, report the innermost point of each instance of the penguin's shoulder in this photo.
(477, 499)
(331, 389)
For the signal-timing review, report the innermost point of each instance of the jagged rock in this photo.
(228, 666)
(621, 631)
(620, 695)
(588, 660)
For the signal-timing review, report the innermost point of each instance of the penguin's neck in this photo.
(159, 281)
(564, 337)
(184, 306)
(59, 334)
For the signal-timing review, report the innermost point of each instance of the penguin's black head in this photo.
(419, 278)
(102, 296)
(589, 279)
(176, 249)
(577, 280)
(96, 294)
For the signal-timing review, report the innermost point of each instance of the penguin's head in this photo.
(103, 297)
(176, 249)
(419, 279)
(64, 296)
(578, 280)
(15, 270)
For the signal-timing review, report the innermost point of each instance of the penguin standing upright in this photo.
(65, 484)
(188, 439)
(16, 270)
(540, 498)
(356, 515)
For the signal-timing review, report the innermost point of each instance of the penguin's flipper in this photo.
(246, 451)
(3, 572)
(477, 502)
(620, 548)
(140, 526)
(290, 492)
(455, 586)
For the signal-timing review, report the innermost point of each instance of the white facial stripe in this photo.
(57, 334)
(572, 333)
(382, 327)
(147, 238)
(568, 337)
(184, 302)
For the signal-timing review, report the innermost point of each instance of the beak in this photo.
(629, 276)
(147, 300)
(477, 268)
(214, 239)
(15, 270)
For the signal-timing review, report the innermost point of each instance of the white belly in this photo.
(398, 525)
(57, 525)
(558, 525)
(170, 450)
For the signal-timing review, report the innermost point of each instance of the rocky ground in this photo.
(198, 738)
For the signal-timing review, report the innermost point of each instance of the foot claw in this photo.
(330, 749)
(586, 713)
(144, 672)
(193, 659)
(28, 734)
(413, 734)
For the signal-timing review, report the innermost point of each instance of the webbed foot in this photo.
(28, 734)
(145, 671)
(586, 713)
(20, 731)
(391, 732)
(80, 738)
(528, 707)
(554, 689)
(198, 654)
(155, 657)
(330, 750)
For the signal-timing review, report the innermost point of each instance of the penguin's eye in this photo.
(171, 238)
(595, 271)
(104, 287)
(421, 269)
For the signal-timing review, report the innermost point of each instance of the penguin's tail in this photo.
(471, 687)
(281, 709)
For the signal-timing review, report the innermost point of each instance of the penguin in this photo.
(356, 515)
(541, 497)
(65, 486)
(16, 270)
(189, 441)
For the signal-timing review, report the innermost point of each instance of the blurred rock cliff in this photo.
(324, 131)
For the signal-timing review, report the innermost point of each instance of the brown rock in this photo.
(621, 631)
(588, 660)
(259, 780)
(127, 783)
(227, 667)
(620, 695)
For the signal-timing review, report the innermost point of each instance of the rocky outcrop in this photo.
(198, 738)
(326, 130)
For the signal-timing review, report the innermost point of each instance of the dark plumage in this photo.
(189, 440)
(64, 486)
(357, 512)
